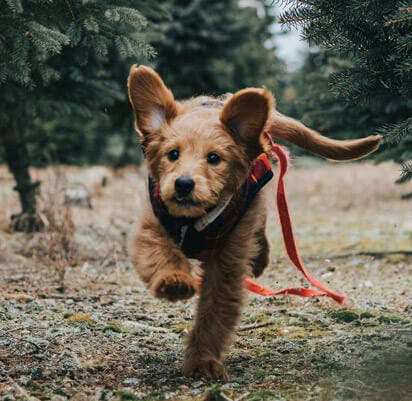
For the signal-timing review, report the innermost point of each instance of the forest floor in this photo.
(76, 323)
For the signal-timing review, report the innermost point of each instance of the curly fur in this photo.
(234, 132)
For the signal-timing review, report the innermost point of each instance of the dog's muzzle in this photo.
(184, 186)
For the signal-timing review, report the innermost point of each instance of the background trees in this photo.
(214, 47)
(372, 74)
(62, 66)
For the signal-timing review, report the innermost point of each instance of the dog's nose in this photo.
(184, 185)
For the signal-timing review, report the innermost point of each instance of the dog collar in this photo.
(202, 238)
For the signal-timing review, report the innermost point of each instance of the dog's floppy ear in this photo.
(245, 115)
(153, 103)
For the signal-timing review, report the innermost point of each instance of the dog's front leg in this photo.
(221, 295)
(160, 263)
(218, 313)
(219, 307)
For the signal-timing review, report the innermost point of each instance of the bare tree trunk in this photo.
(17, 160)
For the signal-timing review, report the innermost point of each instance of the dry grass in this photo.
(106, 338)
(56, 243)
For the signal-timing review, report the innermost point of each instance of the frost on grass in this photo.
(76, 323)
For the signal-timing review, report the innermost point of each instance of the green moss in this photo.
(106, 394)
(260, 374)
(263, 395)
(213, 393)
(157, 395)
(37, 373)
(344, 315)
(258, 319)
(265, 354)
(61, 391)
(127, 395)
(114, 327)
(349, 316)
(238, 370)
(366, 315)
(388, 319)
(39, 394)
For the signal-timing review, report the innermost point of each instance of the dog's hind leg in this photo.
(160, 263)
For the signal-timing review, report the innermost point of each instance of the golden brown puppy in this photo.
(206, 169)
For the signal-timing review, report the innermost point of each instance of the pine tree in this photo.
(57, 75)
(213, 47)
(376, 37)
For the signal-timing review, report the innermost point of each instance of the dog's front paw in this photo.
(174, 286)
(205, 368)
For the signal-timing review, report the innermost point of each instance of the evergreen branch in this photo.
(395, 133)
(403, 16)
(47, 39)
(127, 15)
(301, 15)
(398, 21)
(406, 173)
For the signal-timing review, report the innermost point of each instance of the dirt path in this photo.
(105, 338)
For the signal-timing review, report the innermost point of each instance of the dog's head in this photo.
(198, 154)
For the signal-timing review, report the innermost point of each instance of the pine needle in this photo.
(406, 173)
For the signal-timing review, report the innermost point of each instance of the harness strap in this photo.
(289, 241)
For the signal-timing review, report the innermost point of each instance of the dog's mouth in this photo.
(185, 206)
(184, 201)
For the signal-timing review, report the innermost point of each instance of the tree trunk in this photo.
(17, 160)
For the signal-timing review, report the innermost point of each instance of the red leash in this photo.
(289, 241)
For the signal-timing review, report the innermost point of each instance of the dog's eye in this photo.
(213, 158)
(173, 155)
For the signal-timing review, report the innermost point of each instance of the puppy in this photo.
(208, 165)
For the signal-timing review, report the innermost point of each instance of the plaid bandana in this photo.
(202, 238)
